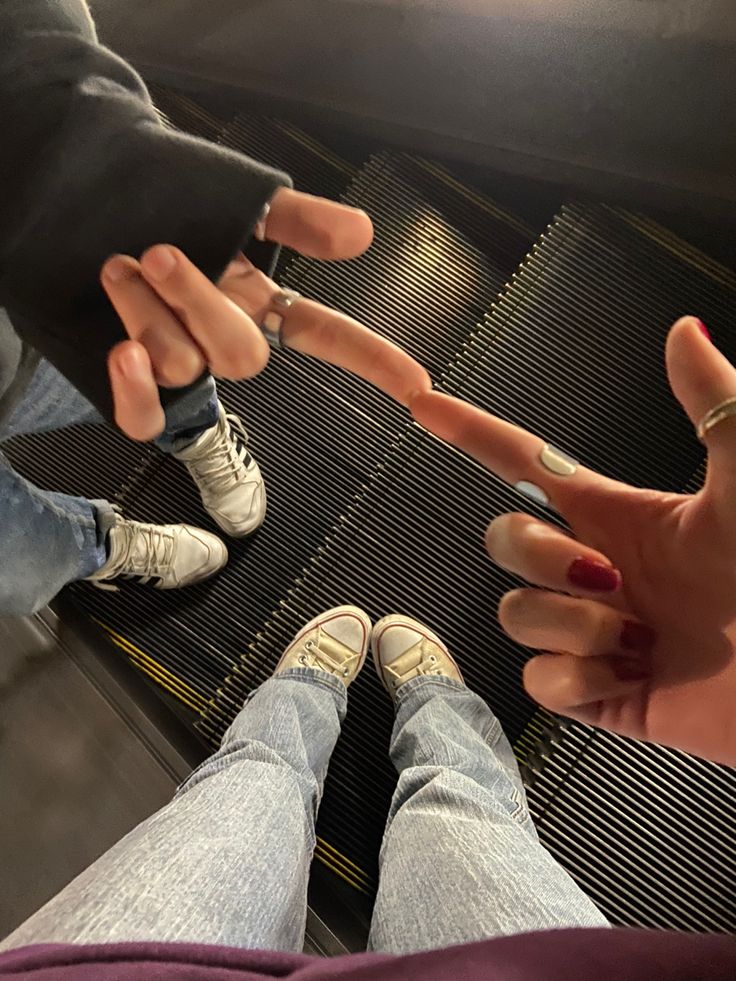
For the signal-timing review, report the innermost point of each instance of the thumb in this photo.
(702, 378)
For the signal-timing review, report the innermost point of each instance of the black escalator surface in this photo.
(365, 507)
(585, 367)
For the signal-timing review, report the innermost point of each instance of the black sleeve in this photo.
(86, 170)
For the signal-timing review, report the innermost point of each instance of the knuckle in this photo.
(549, 680)
(181, 368)
(506, 535)
(584, 621)
(242, 364)
(511, 609)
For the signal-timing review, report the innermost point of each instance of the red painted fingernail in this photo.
(630, 670)
(703, 330)
(637, 637)
(593, 576)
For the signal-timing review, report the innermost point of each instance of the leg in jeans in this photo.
(461, 860)
(51, 402)
(227, 862)
(51, 539)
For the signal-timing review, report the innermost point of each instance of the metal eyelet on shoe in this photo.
(432, 658)
(302, 659)
(309, 645)
(346, 672)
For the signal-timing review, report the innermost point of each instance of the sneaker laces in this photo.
(139, 550)
(407, 666)
(222, 459)
(315, 655)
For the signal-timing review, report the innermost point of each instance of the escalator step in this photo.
(551, 356)
(646, 831)
(318, 432)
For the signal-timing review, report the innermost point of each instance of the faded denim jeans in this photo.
(227, 861)
(49, 539)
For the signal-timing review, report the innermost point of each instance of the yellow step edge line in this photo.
(342, 858)
(361, 884)
(175, 686)
(679, 247)
(478, 199)
(358, 882)
(316, 147)
(341, 875)
(164, 677)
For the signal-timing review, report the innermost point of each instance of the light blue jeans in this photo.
(227, 861)
(49, 539)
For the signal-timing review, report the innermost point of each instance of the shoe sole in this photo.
(392, 620)
(325, 617)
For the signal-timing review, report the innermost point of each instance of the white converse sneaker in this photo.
(335, 641)
(227, 476)
(164, 556)
(404, 649)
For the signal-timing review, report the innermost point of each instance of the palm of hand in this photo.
(679, 577)
(676, 556)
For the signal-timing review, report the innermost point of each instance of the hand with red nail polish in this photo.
(634, 614)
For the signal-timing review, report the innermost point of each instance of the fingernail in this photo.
(117, 269)
(533, 492)
(703, 330)
(637, 637)
(630, 670)
(593, 576)
(128, 363)
(159, 262)
(259, 232)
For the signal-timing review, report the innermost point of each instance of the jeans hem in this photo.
(426, 681)
(314, 676)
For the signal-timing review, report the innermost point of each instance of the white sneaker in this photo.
(164, 556)
(227, 476)
(404, 649)
(335, 641)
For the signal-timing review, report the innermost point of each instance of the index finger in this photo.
(525, 461)
(323, 333)
(316, 227)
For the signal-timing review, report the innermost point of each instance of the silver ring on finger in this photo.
(272, 325)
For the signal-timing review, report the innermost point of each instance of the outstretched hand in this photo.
(180, 323)
(636, 611)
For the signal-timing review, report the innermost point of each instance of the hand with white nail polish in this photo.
(180, 323)
(636, 615)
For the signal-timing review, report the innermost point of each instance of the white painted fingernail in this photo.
(557, 462)
(533, 492)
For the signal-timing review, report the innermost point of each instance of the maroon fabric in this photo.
(560, 955)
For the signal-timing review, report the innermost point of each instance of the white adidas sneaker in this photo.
(404, 649)
(336, 642)
(227, 476)
(163, 556)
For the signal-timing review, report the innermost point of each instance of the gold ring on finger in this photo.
(724, 410)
